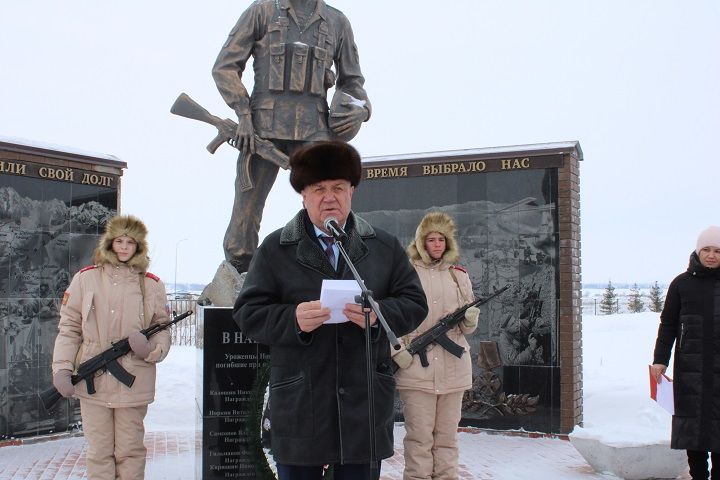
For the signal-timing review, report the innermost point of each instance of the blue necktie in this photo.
(329, 252)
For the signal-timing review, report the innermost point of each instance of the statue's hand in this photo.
(343, 122)
(244, 135)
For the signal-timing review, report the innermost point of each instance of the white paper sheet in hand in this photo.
(335, 294)
(665, 395)
(662, 392)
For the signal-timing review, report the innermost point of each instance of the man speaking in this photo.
(318, 379)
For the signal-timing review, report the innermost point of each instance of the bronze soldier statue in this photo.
(294, 45)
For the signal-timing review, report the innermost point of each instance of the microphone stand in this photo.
(368, 302)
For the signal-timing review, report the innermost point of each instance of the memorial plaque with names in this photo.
(517, 215)
(230, 363)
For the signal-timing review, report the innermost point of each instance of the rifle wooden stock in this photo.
(438, 333)
(189, 108)
(106, 360)
(185, 106)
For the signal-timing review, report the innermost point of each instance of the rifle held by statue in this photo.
(185, 106)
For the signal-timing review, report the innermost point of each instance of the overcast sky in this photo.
(635, 82)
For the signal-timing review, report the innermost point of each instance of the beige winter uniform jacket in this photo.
(446, 373)
(103, 305)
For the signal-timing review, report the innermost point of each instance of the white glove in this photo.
(471, 317)
(403, 359)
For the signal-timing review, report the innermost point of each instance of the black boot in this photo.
(698, 462)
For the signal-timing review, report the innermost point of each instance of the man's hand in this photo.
(343, 122)
(244, 135)
(656, 370)
(310, 315)
(355, 314)
(63, 383)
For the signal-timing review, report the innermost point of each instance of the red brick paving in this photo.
(502, 457)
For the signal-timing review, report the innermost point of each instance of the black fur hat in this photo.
(320, 161)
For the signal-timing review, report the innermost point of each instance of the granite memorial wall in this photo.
(517, 216)
(53, 208)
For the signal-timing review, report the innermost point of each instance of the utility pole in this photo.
(176, 258)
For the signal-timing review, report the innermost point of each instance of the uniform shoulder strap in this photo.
(457, 284)
(147, 319)
(153, 276)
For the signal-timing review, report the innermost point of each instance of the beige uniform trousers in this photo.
(431, 422)
(115, 437)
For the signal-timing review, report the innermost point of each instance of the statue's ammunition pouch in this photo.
(317, 76)
(298, 67)
(276, 75)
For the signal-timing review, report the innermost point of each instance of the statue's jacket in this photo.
(318, 381)
(293, 68)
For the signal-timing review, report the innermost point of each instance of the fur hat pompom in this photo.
(124, 225)
(710, 237)
(320, 161)
(441, 223)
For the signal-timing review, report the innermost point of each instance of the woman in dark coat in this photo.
(691, 321)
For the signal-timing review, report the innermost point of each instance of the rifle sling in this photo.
(457, 284)
(147, 318)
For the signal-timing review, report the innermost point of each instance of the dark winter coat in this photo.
(691, 320)
(318, 386)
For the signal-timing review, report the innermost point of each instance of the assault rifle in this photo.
(438, 334)
(189, 108)
(106, 360)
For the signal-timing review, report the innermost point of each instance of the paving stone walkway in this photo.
(171, 456)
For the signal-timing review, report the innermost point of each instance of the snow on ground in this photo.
(617, 350)
(174, 407)
(617, 407)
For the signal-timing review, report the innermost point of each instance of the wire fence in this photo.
(591, 306)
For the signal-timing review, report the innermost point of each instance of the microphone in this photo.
(332, 226)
